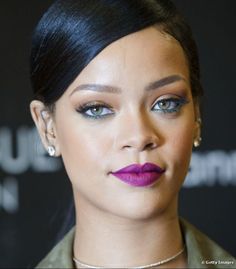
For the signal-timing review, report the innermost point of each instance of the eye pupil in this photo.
(164, 104)
(97, 110)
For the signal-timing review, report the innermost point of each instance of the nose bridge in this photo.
(137, 131)
(142, 123)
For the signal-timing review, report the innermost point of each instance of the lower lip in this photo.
(138, 179)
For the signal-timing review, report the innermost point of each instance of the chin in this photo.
(144, 206)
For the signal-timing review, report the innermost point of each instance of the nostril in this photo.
(150, 146)
(127, 146)
(141, 145)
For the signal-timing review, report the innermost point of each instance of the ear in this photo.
(198, 121)
(45, 124)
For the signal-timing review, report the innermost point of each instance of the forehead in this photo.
(145, 55)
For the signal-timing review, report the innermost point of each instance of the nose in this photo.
(137, 132)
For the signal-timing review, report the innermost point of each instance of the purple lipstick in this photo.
(139, 175)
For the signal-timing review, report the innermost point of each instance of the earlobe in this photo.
(45, 125)
(198, 125)
(197, 136)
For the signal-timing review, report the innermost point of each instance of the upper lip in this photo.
(138, 168)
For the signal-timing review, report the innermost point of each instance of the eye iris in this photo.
(164, 104)
(97, 110)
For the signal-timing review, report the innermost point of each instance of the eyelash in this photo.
(178, 102)
(86, 107)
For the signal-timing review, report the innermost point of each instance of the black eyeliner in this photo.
(180, 101)
(85, 107)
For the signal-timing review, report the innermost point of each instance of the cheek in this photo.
(83, 150)
(179, 148)
(182, 141)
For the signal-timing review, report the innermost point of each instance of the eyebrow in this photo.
(112, 89)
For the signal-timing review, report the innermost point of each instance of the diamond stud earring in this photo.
(197, 142)
(51, 151)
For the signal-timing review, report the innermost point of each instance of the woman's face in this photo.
(112, 116)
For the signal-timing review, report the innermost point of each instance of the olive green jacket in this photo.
(202, 252)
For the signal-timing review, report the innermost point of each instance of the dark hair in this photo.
(72, 32)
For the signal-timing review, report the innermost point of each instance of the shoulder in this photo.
(61, 255)
(203, 252)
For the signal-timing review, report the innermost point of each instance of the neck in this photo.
(112, 241)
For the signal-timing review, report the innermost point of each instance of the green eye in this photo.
(95, 111)
(164, 104)
(169, 105)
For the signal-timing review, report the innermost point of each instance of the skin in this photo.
(131, 225)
